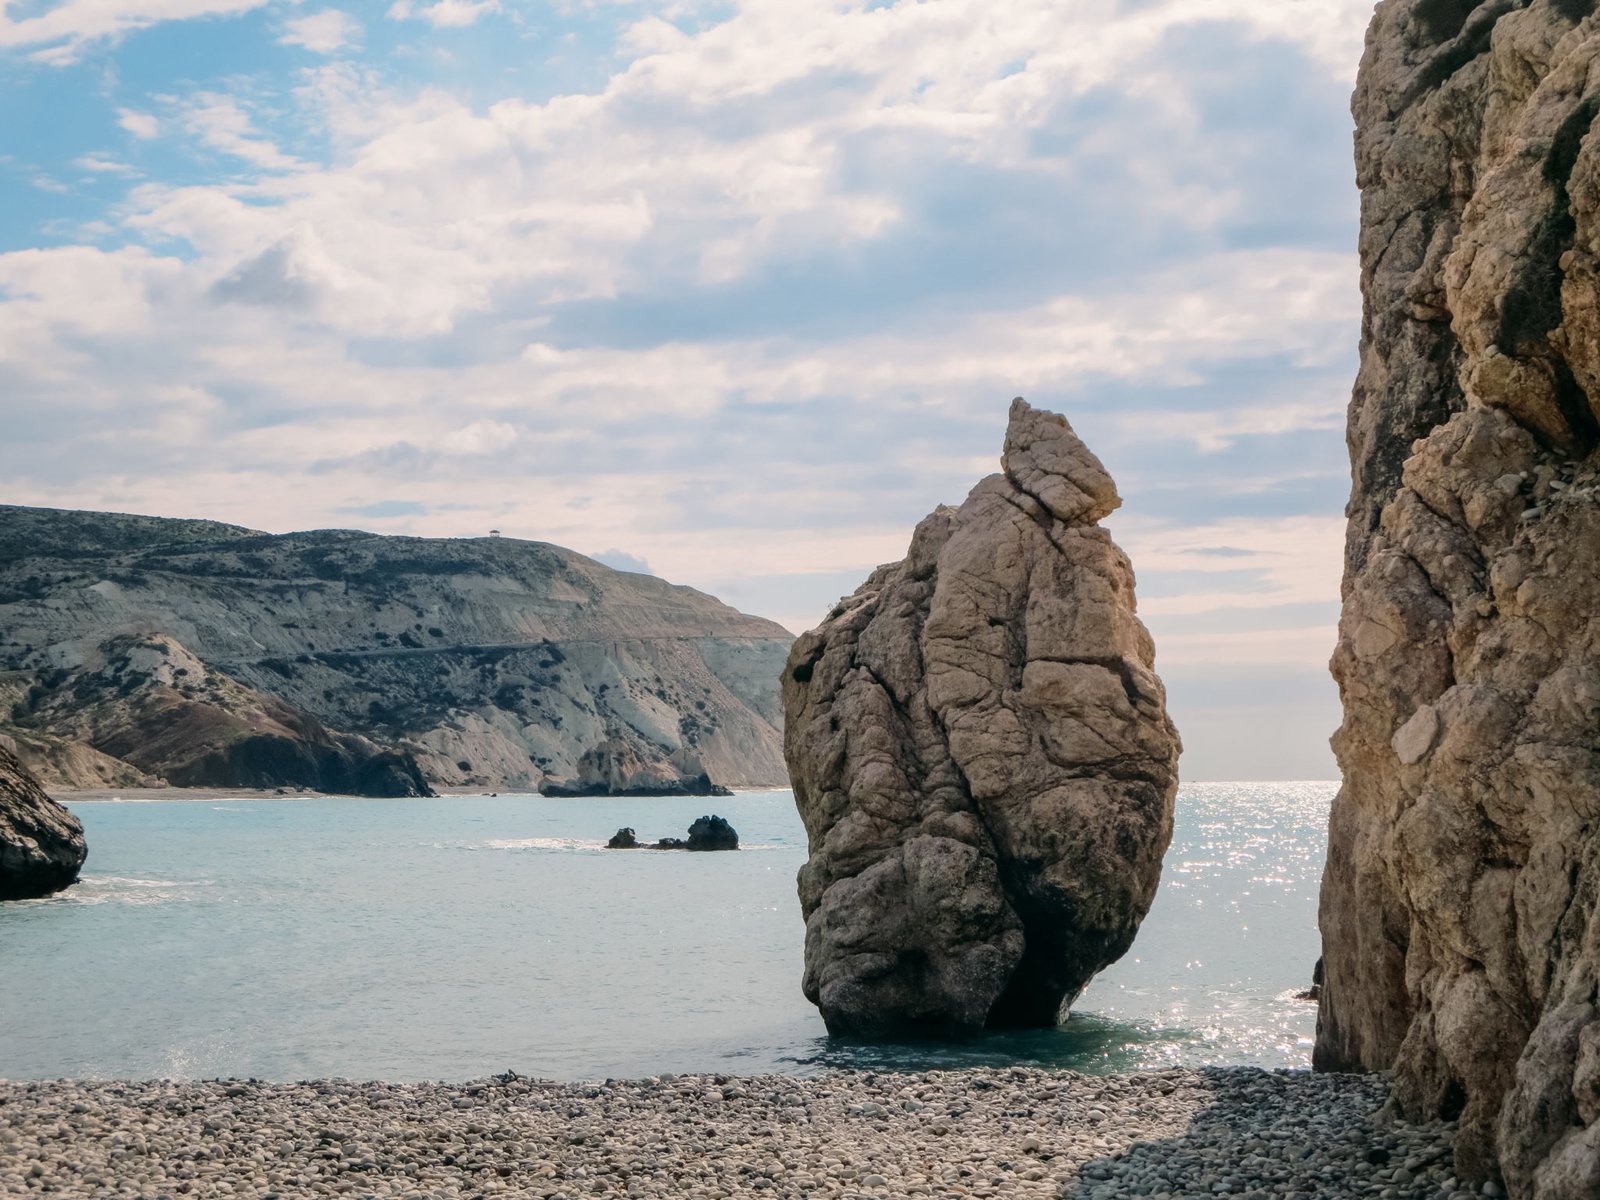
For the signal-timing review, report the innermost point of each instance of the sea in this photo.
(455, 938)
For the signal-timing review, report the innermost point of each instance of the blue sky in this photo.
(737, 290)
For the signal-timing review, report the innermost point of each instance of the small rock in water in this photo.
(707, 833)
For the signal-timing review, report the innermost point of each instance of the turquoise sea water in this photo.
(454, 938)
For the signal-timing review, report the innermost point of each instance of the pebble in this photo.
(982, 1134)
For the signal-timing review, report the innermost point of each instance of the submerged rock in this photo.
(41, 843)
(980, 750)
(1461, 933)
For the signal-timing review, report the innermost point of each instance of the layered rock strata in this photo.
(980, 751)
(1460, 935)
(41, 843)
(140, 649)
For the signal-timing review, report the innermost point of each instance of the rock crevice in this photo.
(980, 752)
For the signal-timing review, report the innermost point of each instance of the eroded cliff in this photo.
(1460, 935)
(980, 750)
(135, 649)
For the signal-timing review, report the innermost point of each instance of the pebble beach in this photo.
(973, 1133)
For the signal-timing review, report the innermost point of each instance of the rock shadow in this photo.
(1283, 1135)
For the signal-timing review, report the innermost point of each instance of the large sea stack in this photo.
(1460, 934)
(41, 843)
(980, 750)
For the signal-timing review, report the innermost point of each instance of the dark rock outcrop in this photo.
(129, 642)
(980, 750)
(712, 833)
(41, 843)
(706, 833)
(1461, 933)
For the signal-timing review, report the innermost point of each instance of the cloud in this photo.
(63, 33)
(324, 32)
(751, 305)
(220, 122)
(621, 560)
(1287, 560)
(443, 14)
(100, 164)
(1307, 648)
(480, 437)
(142, 125)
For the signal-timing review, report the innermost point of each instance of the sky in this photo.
(734, 292)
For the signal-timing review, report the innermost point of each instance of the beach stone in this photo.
(42, 846)
(980, 750)
(1461, 933)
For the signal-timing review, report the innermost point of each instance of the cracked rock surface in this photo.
(980, 751)
(1460, 937)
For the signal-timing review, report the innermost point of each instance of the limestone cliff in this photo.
(41, 843)
(139, 649)
(1461, 940)
(980, 750)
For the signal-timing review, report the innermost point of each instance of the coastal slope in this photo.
(1458, 912)
(144, 650)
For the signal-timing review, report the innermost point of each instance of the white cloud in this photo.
(324, 32)
(621, 560)
(1307, 648)
(222, 124)
(142, 125)
(61, 34)
(451, 297)
(480, 437)
(443, 14)
(1292, 561)
(100, 164)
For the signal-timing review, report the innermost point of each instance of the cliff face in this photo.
(136, 649)
(980, 751)
(1461, 941)
(41, 843)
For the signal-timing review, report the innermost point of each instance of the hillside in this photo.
(137, 649)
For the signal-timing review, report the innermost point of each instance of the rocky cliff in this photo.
(979, 748)
(1461, 940)
(41, 843)
(139, 649)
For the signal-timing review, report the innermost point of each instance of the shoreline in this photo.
(153, 795)
(989, 1132)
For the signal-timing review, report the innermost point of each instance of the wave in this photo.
(558, 844)
(127, 889)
